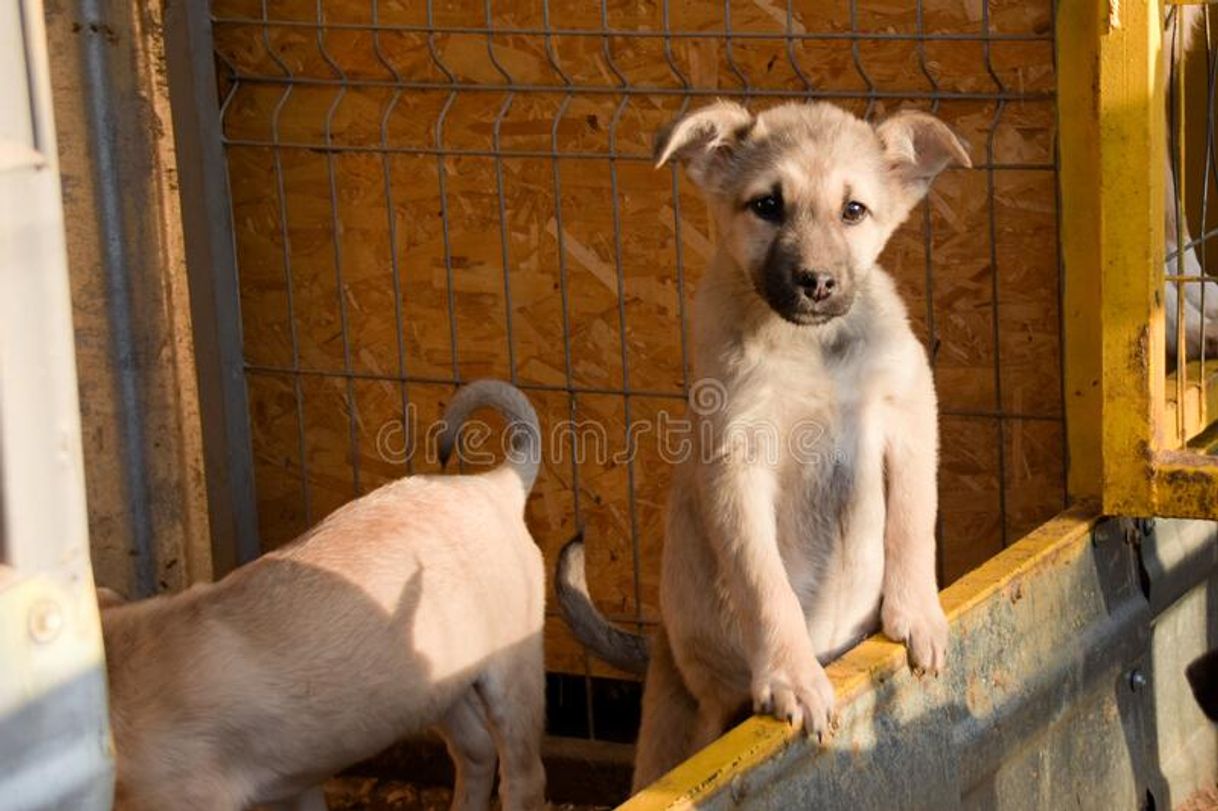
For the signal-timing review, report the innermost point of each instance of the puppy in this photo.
(806, 516)
(419, 605)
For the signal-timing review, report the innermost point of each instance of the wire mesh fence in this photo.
(426, 192)
(1190, 296)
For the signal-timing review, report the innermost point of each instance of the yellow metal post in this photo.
(1112, 125)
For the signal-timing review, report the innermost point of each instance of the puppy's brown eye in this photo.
(768, 207)
(853, 212)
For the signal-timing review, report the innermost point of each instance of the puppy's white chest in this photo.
(831, 513)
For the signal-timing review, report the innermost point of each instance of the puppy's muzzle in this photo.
(806, 296)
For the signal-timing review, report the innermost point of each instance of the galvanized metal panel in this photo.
(54, 734)
(1066, 690)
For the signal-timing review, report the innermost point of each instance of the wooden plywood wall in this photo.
(414, 208)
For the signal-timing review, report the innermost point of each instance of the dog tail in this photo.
(524, 455)
(622, 649)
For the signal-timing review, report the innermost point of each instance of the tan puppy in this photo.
(805, 517)
(418, 605)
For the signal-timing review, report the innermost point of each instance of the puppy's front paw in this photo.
(801, 695)
(923, 629)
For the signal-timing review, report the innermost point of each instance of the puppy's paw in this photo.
(801, 696)
(923, 629)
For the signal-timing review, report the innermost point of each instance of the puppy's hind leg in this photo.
(466, 731)
(670, 715)
(514, 694)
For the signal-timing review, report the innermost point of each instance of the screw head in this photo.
(45, 621)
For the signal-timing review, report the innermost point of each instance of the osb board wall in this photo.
(391, 177)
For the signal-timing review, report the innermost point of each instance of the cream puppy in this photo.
(805, 516)
(419, 605)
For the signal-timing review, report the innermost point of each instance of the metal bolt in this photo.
(46, 621)
(1137, 680)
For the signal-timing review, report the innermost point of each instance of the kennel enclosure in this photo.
(333, 212)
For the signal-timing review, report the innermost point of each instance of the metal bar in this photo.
(789, 36)
(563, 283)
(339, 285)
(871, 94)
(1112, 182)
(211, 260)
(523, 153)
(442, 175)
(727, 52)
(115, 263)
(1061, 299)
(1176, 105)
(619, 273)
(856, 57)
(293, 332)
(608, 31)
(497, 148)
(674, 173)
(928, 249)
(390, 211)
(572, 388)
(995, 286)
(1211, 77)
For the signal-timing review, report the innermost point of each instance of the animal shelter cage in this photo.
(330, 213)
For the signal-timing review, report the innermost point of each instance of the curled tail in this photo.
(622, 649)
(524, 455)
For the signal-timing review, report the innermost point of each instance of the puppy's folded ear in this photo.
(918, 147)
(704, 140)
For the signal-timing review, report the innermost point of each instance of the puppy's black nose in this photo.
(816, 284)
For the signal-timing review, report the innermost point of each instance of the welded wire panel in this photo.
(426, 193)
(1190, 296)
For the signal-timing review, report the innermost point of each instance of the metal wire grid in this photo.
(1175, 272)
(621, 88)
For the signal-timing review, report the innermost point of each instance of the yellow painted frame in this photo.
(1112, 129)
